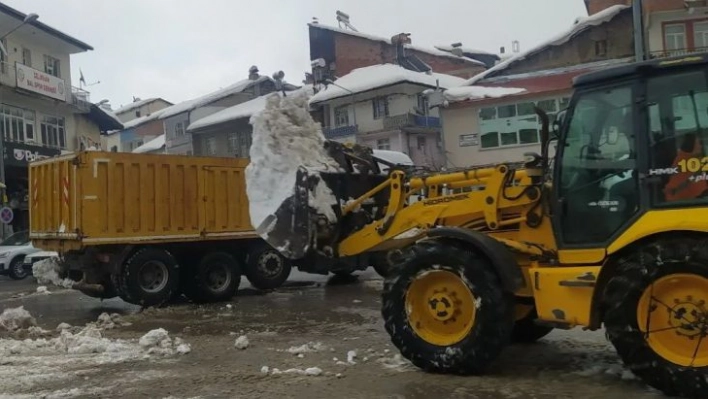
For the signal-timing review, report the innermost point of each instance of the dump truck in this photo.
(150, 227)
(613, 235)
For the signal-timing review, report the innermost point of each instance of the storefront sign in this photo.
(19, 154)
(468, 140)
(40, 82)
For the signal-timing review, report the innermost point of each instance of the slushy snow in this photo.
(46, 271)
(13, 319)
(285, 137)
(306, 348)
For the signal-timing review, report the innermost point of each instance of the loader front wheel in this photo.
(266, 268)
(445, 309)
(150, 277)
(657, 316)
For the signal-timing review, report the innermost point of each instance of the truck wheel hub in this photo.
(270, 264)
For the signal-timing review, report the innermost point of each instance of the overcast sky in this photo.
(180, 49)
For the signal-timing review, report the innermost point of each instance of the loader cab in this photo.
(625, 146)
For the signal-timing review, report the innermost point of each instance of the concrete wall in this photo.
(87, 131)
(110, 141)
(38, 49)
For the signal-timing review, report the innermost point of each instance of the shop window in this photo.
(53, 131)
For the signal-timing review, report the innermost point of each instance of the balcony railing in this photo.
(677, 52)
(341, 131)
(81, 99)
(411, 120)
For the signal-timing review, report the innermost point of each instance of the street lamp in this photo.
(29, 18)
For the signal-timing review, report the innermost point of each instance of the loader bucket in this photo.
(288, 229)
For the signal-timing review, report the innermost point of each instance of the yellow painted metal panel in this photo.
(121, 198)
(564, 294)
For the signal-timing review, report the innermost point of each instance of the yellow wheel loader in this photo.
(614, 235)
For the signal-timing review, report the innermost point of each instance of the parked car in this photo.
(33, 258)
(13, 251)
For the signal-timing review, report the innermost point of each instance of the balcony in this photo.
(677, 52)
(341, 131)
(411, 120)
(80, 98)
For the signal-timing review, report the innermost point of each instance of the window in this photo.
(423, 103)
(515, 124)
(240, 144)
(210, 146)
(27, 57)
(420, 141)
(597, 166)
(179, 129)
(675, 36)
(3, 59)
(51, 66)
(383, 144)
(678, 119)
(700, 35)
(601, 48)
(380, 105)
(17, 124)
(114, 148)
(137, 114)
(53, 131)
(341, 116)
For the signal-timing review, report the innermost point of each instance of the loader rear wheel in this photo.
(657, 315)
(266, 268)
(216, 278)
(150, 277)
(445, 309)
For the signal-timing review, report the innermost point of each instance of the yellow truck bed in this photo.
(103, 198)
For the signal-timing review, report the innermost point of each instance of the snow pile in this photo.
(580, 24)
(46, 271)
(310, 371)
(13, 319)
(285, 137)
(241, 342)
(158, 342)
(372, 77)
(42, 289)
(307, 348)
(108, 322)
(456, 94)
(397, 363)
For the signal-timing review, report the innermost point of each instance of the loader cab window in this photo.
(596, 181)
(678, 138)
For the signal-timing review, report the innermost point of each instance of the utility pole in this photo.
(637, 13)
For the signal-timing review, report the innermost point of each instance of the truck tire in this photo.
(445, 309)
(149, 277)
(16, 269)
(266, 268)
(526, 331)
(655, 315)
(215, 279)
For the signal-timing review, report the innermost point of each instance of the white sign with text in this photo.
(40, 82)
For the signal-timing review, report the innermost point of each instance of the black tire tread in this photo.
(251, 270)
(129, 294)
(633, 274)
(199, 293)
(11, 268)
(471, 355)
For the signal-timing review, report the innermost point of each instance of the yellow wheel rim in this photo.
(440, 307)
(673, 315)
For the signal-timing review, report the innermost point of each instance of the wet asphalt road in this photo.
(343, 315)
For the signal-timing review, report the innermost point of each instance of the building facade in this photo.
(41, 113)
(140, 108)
(491, 118)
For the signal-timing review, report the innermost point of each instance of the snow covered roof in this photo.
(143, 119)
(469, 50)
(243, 110)
(375, 76)
(209, 98)
(106, 120)
(463, 93)
(137, 104)
(581, 24)
(431, 51)
(153, 145)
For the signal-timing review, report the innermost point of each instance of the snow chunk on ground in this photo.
(14, 319)
(351, 355)
(108, 322)
(285, 137)
(42, 290)
(307, 348)
(310, 371)
(241, 342)
(63, 326)
(46, 271)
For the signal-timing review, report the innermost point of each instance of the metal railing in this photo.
(677, 52)
(81, 99)
(341, 131)
(411, 120)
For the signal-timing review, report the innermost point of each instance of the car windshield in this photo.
(17, 239)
